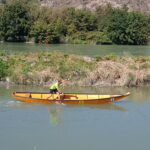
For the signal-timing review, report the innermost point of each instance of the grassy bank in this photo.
(44, 67)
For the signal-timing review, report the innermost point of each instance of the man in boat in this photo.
(54, 89)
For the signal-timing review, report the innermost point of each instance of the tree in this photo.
(14, 22)
(85, 20)
(137, 28)
(125, 27)
(116, 26)
(80, 20)
(38, 31)
(103, 15)
(46, 33)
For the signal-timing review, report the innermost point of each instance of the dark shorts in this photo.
(53, 91)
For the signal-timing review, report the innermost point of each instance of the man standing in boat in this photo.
(54, 89)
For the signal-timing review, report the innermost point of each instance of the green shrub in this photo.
(3, 69)
(111, 57)
(98, 37)
(145, 66)
(3, 53)
(98, 58)
(93, 37)
(26, 68)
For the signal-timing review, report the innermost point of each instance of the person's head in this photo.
(59, 81)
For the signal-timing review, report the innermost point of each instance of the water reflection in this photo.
(54, 111)
(101, 106)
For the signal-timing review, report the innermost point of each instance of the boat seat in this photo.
(28, 95)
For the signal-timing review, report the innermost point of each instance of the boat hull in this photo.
(101, 99)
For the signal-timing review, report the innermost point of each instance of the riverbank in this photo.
(43, 68)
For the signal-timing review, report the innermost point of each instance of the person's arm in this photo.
(59, 91)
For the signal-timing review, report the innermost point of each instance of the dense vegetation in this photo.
(44, 67)
(23, 20)
(3, 69)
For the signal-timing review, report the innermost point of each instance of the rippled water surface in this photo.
(123, 125)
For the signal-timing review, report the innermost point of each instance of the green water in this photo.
(89, 50)
(123, 125)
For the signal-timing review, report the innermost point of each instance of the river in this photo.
(80, 49)
(120, 125)
(123, 125)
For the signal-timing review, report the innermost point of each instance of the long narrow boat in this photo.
(67, 98)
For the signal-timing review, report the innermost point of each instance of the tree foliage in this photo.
(127, 27)
(137, 28)
(21, 20)
(14, 22)
(80, 20)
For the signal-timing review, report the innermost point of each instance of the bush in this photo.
(98, 58)
(97, 37)
(92, 37)
(3, 69)
(123, 27)
(14, 22)
(45, 33)
(111, 57)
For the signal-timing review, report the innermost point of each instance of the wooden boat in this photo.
(67, 98)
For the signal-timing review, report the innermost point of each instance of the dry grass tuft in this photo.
(109, 73)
